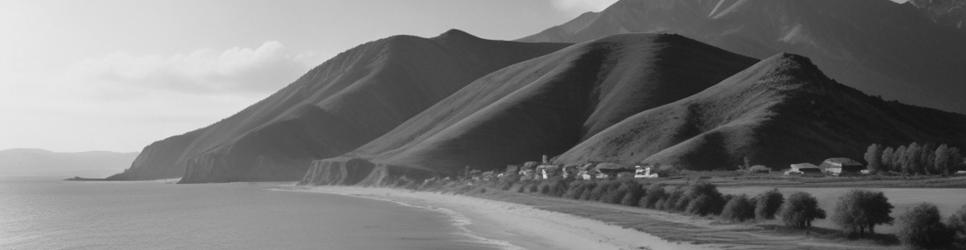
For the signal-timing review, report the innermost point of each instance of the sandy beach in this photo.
(512, 225)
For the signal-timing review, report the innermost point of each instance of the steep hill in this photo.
(879, 47)
(781, 110)
(548, 104)
(343, 103)
(38, 162)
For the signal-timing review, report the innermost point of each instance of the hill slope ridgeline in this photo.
(879, 47)
(334, 108)
(782, 110)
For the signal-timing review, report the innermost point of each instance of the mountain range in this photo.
(39, 162)
(693, 84)
(882, 48)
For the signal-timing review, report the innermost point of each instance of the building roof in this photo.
(803, 165)
(843, 161)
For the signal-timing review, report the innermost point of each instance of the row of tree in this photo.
(914, 159)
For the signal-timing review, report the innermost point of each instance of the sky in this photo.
(117, 75)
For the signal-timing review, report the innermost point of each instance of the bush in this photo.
(616, 191)
(605, 192)
(767, 204)
(921, 227)
(575, 190)
(859, 211)
(705, 199)
(738, 209)
(680, 205)
(654, 193)
(589, 188)
(633, 193)
(957, 223)
(800, 210)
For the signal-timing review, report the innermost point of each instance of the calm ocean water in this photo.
(52, 214)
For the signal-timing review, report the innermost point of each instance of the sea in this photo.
(45, 213)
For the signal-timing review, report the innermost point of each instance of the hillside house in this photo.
(570, 172)
(842, 166)
(641, 172)
(586, 172)
(546, 171)
(608, 170)
(804, 169)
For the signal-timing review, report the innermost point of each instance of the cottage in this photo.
(641, 172)
(586, 172)
(804, 169)
(546, 171)
(570, 172)
(842, 166)
(612, 170)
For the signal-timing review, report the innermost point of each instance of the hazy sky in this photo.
(120, 74)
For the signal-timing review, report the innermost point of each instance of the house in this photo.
(570, 172)
(841, 166)
(586, 172)
(804, 169)
(641, 172)
(609, 170)
(546, 171)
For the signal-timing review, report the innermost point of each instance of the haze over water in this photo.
(50, 214)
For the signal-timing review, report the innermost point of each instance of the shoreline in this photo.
(510, 225)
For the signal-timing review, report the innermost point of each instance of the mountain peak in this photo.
(456, 34)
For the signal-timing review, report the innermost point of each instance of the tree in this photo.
(738, 209)
(859, 211)
(654, 193)
(800, 210)
(705, 199)
(873, 156)
(767, 204)
(910, 159)
(922, 227)
(886, 160)
(947, 159)
(898, 157)
(926, 159)
(957, 222)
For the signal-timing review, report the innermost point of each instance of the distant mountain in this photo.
(334, 108)
(779, 111)
(946, 12)
(877, 46)
(39, 162)
(549, 104)
(631, 98)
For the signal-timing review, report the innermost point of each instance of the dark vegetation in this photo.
(914, 159)
(857, 212)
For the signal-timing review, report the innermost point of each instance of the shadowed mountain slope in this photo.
(781, 110)
(548, 104)
(343, 103)
(879, 47)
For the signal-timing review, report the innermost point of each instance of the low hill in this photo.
(334, 108)
(39, 162)
(549, 104)
(877, 46)
(782, 110)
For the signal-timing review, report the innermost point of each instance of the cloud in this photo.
(204, 71)
(582, 5)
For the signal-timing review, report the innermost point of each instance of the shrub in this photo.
(921, 227)
(589, 188)
(705, 199)
(800, 210)
(957, 222)
(616, 191)
(604, 191)
(859, 211)
(633, 193)
(680, 205)
(556, 187)
(767, 204)
(575, 189)
(738, 209)
(654, 193)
